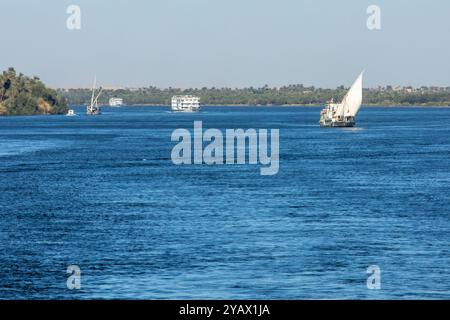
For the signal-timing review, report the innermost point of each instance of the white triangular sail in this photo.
(352, 101)
(340, 109)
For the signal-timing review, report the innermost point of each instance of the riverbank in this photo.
(22, 95)
(293, 105)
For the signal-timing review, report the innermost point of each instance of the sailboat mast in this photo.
(93, 90)
(98, 95)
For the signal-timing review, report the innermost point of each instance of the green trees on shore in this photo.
(287, 95)
(22, 95)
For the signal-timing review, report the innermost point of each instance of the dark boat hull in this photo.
(93, 111)
(338, 124)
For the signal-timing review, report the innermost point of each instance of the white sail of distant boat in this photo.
(93, 108)
(352, 101)
(93, 90)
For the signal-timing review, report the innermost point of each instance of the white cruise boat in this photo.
(185, 103)
(115, 102)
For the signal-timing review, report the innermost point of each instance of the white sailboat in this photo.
(93, 108)
(344, 114)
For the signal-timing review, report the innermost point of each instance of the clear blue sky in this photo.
(187, 43)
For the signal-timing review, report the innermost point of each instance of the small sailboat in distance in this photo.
(344, 114)
(93, 108)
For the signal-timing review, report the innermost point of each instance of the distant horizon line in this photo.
(109, 87)
(208, 87)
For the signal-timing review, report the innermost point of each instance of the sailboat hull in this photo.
(335, 122)
(93, 113)
(338, 124)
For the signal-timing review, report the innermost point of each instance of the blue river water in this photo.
(102, 193)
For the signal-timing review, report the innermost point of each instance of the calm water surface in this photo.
(102, 193)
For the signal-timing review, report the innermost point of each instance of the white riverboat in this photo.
(185, 103)
(115, 102)
(344, 114)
